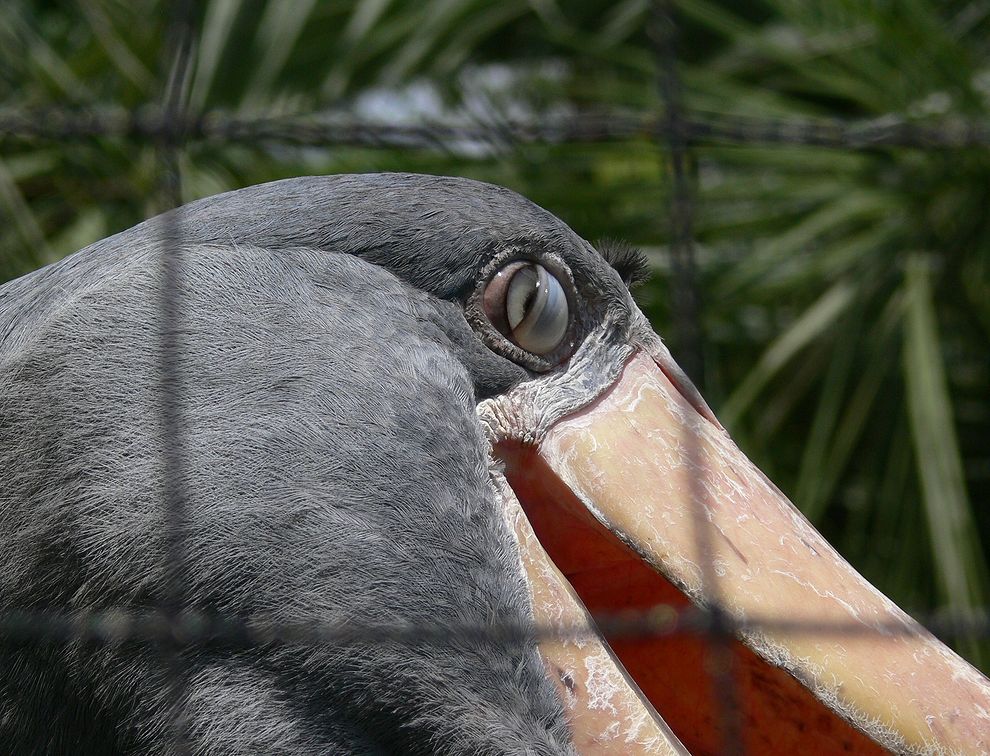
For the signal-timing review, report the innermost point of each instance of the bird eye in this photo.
(528, 305)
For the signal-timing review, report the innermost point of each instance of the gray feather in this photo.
(335, 466)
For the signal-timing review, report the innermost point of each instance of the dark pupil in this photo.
(528, 303)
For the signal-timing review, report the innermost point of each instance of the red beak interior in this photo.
(776, 714)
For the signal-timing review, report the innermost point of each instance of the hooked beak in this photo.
(641, 500)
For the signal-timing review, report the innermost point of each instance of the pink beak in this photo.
(612, 499)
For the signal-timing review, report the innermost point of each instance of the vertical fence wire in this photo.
(174, 431)
(673, 131)
(687, 325)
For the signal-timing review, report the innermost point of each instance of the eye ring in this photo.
(529, 306)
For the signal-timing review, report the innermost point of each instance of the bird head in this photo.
(427, 400)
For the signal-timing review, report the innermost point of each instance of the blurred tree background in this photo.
(845, 290)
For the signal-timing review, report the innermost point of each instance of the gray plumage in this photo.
(335, 468)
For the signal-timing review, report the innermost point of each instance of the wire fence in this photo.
(151, 123)
(174, 626)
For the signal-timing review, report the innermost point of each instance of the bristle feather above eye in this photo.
(628, 261)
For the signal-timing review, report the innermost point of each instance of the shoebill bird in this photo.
(428, 402)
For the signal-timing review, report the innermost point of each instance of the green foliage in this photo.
(846, 293)
(848, 296)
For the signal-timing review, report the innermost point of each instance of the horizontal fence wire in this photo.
(194, 628)
(341, 130)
